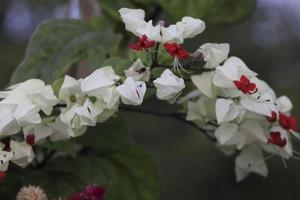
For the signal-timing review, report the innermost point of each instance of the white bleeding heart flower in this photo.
(99, 80)
(234, 74)
(191, 26)
(279, 142)
(239, 135)
(214, 54)
(34, 90)
(250, 160)
(36, 133)
(5, 157)
(132, 92)
(138, 71)
(133, 19)
(168, 86)
(22, 153)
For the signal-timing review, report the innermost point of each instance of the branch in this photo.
(177, 116)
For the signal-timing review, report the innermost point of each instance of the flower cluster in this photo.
(238, 110)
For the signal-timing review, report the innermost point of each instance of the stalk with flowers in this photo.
(235, 109)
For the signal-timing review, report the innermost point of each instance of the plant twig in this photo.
(177, 116)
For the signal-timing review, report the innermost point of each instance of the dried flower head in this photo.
(31, 193)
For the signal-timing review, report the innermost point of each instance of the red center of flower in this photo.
(273, 117)
(288, 122)
(2, 176)
(90, 193)
(245, 85)
(175, 50)
(30, 139)
(142, 43)
(275, 138)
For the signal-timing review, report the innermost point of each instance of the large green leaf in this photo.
(214, 11)
(59, 43)
(110, 158)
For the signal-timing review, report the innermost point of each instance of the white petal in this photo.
(69, 87)
(133, 19)
(152, 32)
(99, 79)
(8, 123)
(191, 26)
(138, 71)
(250, 160)
(5, 157)
(226, 134)
(27, 113)
(284, 104)
(226, 110)
(204, 83)
(263, 106)
(172, 34)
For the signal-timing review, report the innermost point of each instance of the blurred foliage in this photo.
(57, 44)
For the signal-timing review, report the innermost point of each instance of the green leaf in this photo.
(59, 43)
(214, 11)
(63, 146)
(119, 64)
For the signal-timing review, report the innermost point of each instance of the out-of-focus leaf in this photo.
(229, 11)
(214, 11)
(110, 8)
(57, 85)
(119, 64)
(57, 44)
(63, 146)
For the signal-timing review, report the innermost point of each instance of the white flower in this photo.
(138, 71)
(39, 131)
(22, 153)
(250, 160)
(232, 70)
(191, 26)
(232, 134)
(5, 157)
(35, 91)
(133, 19)
(214, 54)
(132, 92)
(168, 86)
(282, 145)
(99, 80)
